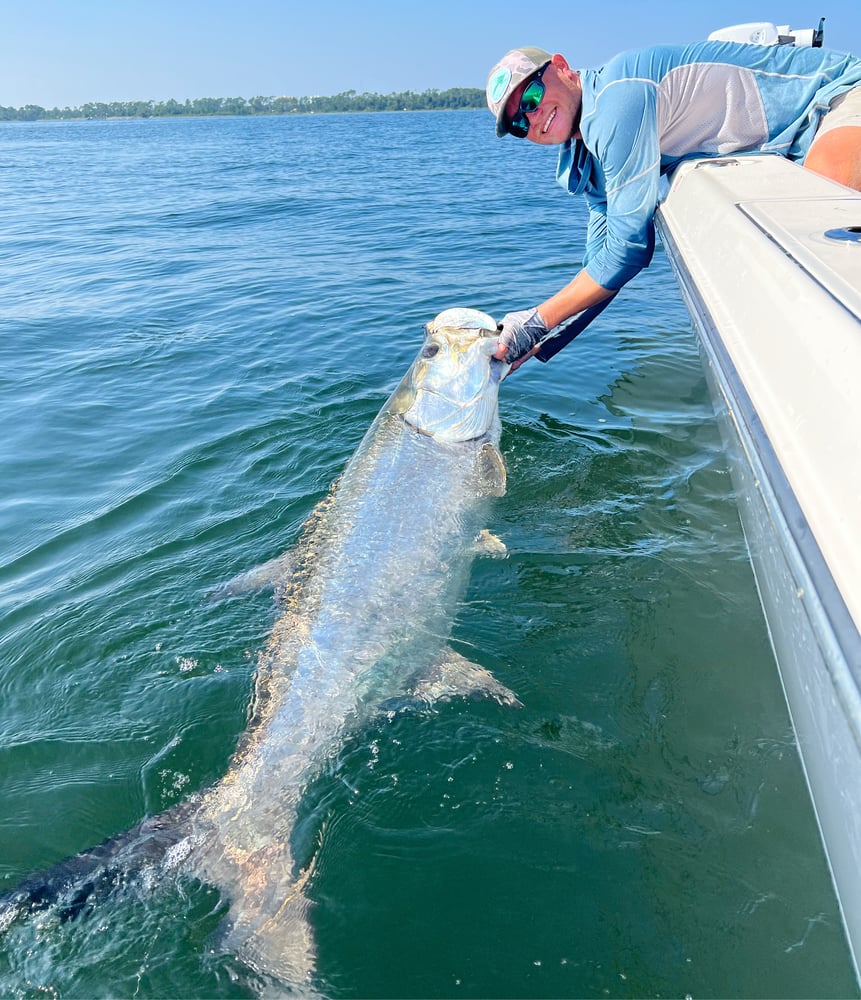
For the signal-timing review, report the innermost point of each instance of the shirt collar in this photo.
(574, 169)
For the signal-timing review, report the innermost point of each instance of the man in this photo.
(622, 126)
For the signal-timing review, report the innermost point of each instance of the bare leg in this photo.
(837, 154)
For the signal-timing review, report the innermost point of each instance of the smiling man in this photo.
(621, 127)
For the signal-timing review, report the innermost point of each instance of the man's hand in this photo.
(520, 334)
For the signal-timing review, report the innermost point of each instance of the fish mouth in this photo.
(461, 320)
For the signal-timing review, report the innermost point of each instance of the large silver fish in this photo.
(368, 599)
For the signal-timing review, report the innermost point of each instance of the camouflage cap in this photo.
(507, 75)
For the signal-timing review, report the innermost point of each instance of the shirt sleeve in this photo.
(622, 201)
(596, 230)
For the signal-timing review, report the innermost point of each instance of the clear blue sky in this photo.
(59, 53)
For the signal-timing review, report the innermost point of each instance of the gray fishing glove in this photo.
(519, 332)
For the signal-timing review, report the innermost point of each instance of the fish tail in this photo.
(269, 927)
(282, 945)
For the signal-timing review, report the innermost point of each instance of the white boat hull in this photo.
(769, 263)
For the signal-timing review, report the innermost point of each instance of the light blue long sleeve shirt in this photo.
(647, 110)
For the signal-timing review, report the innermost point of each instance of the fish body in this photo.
(368, 608)
(367, 602)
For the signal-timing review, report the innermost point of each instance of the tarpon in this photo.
(368, 598)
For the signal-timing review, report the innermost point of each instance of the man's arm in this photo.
(577, 295)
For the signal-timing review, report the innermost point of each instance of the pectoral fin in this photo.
(454, 676)
(490, 471)
(271, 575)
(487, 544)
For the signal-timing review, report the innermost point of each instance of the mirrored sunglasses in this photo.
(532, 96)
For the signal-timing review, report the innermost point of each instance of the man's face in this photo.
(557, 117)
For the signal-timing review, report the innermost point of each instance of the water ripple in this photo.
(200, 318)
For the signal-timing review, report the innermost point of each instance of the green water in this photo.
(200, 320)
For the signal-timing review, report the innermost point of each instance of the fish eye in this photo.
(430, 351)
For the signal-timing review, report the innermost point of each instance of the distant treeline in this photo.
(428, 100)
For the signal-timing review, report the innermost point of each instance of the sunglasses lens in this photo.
(519, 126)
(531, 97)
